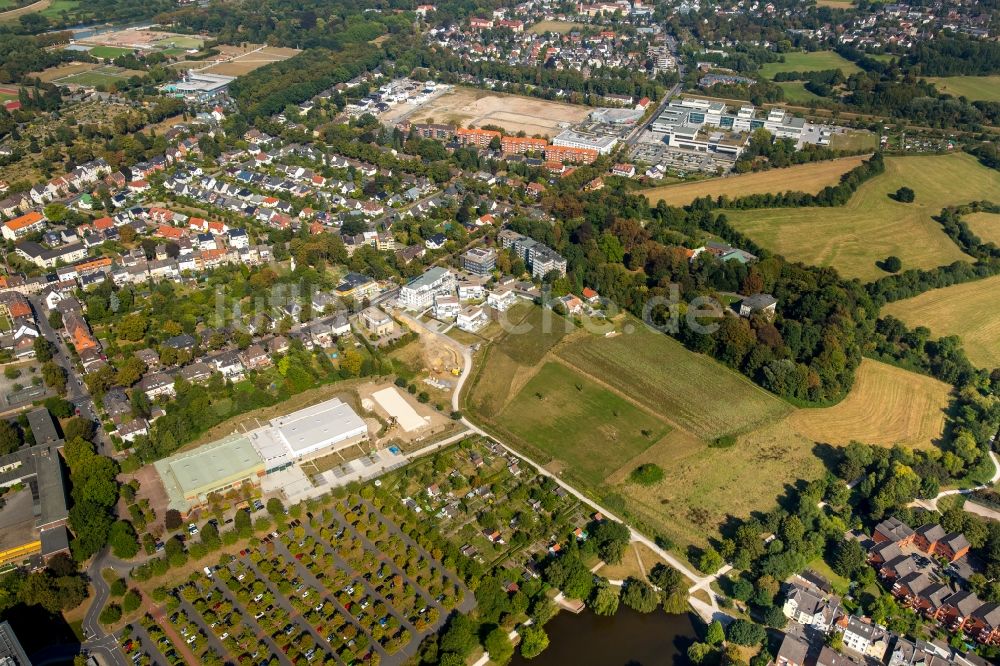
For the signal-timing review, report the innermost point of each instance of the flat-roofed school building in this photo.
(324, 428)
(190, 477)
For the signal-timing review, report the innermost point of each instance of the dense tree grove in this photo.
(954, 55)
(808, 352)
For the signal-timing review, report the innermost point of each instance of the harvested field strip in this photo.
(886, 406)
(810, 178)
(690, 390)
(966, 310)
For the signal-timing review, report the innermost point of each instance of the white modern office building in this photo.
(419, 293)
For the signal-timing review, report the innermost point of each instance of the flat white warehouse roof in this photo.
(319, 426)
(391, 401)
(306, 431)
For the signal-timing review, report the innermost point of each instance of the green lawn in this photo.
(795, 91)
(694, 391)
(579, 424)
(976, 88)
(815, 61)
(872, 226)
(57, 7)
(181, 42)
(108, 52)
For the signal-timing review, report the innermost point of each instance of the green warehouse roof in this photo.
(203, 470)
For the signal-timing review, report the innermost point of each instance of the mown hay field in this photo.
(872, 226)
(966, 310)
(691, 390)
(593, 408)
(809, 178)
(985, 225)
(887, 406)
(975, 88)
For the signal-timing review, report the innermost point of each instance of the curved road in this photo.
(931, 504)
(96, 639)
(707, 611)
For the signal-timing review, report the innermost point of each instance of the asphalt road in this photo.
(76, 390)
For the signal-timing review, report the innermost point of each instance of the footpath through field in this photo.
(706, 611)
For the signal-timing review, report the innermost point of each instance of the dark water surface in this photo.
(626, 639)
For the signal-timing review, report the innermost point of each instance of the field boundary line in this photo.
(617, 391)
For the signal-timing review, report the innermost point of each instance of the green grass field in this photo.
(966, 310)
(57, 7)
(872, 226)
(593, 408)
(975, 88)
(585, 429)
(108, 52)
(181, 42)
(103, 76)
(514, 356)
(815, 61)
(795, 92)
(691, 390)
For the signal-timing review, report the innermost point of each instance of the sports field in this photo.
(108, 52)
(469, 107)
(592, 408)
(180, 42)
(985, 225)
(581, 426)
(815, 61)
(106, 75)
(872, 226)
(966, 310)
(562, 27)
(810, 178)
(887, 406)
(253, 59)
(975, 88)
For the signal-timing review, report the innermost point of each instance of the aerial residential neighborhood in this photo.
(508, 332)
